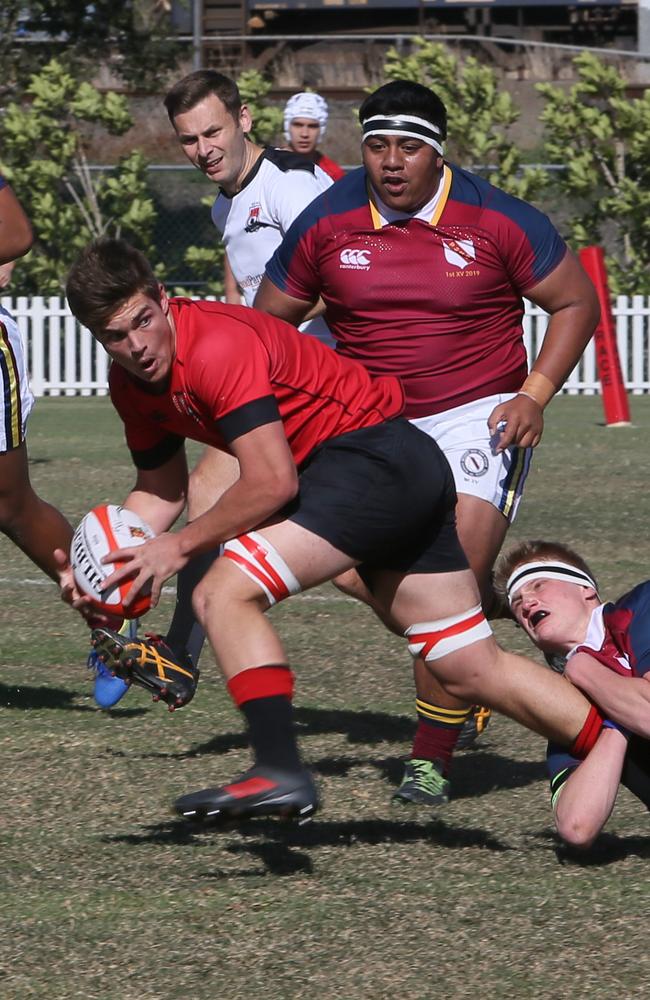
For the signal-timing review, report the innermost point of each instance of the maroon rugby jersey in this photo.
(236, 369)
(437, 302)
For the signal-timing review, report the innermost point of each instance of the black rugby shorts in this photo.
(385, 496)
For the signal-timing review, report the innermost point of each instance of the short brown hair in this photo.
(104, 276)
(536, 550)
(195, 87)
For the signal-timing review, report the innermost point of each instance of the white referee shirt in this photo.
(253, 222)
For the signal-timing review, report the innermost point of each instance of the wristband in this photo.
(538, 388)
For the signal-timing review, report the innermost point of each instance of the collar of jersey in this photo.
(249, 176)
(382, 215)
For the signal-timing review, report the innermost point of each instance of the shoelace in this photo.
(427, 776)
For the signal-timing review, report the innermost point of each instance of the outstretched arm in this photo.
(569, 297)
(585, 801)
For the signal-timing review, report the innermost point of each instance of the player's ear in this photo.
(245, 119)
(164, 298)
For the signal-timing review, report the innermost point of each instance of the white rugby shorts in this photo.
(16, 397)
(463, 435)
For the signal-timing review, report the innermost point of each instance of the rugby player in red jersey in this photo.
(553, 595)
(330, 478)
(305, 121)
(422, 267)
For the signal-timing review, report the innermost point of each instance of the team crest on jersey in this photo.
(474, 462)
(184, 406)
(460, 253)
(354, 259)
(253, 222)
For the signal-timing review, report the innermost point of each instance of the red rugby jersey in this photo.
(235, 369)
(437, 302)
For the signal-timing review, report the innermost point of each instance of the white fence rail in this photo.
(63, 358)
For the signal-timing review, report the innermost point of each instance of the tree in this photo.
(602, 139)
(480, 114)
(133, 37)
(43, 146)
(267, 120)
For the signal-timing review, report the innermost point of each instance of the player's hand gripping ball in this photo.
(105, 528)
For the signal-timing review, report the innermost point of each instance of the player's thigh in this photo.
(267, 565)
(480, 471)
(424, 597)
(212, 475)
(481, 530)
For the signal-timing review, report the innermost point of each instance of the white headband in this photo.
(305, 105)
(416, 128)
(546, 571)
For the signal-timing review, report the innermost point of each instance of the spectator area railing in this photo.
(63, 358)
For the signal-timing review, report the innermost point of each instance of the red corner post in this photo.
(615, 401)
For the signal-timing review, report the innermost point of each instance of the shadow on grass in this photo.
(607, 849)
(280, 845)
(22, 697)
(474, 772)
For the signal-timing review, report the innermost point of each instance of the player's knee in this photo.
(350, 583)
(456, 651)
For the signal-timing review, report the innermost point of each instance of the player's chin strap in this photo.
(541, 570)
(259, 560)
(410, 125)
(433, 640)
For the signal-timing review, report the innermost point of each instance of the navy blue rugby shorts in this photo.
(385, 496)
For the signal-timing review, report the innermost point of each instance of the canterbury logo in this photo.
(358, 260)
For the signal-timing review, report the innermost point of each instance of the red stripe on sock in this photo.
(589, 733)
(261, 682)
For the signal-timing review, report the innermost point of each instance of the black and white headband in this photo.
(546, 571)
(417, 128)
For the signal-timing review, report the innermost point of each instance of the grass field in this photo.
(104, 895)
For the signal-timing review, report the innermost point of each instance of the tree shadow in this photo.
(24, 697)
(474, 773)
(281, 845)
(606, 850)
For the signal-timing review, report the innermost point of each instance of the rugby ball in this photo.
(105, 528)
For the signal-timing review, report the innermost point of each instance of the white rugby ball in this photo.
(105, 528)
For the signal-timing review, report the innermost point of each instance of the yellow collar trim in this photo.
(439, 209)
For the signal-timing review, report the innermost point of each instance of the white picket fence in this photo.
(63, 358)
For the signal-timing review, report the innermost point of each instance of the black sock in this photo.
(272, 733)
(185, 634)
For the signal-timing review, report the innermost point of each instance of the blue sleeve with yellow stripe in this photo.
(560, 765)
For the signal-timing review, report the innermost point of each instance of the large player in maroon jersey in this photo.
(330, 478)
(422, 267)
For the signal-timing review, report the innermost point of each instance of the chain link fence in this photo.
(182, 219)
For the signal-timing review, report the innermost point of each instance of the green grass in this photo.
(104, 895)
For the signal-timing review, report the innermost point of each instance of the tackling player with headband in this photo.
(422, 267)
(330, 477)
(553, 595)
